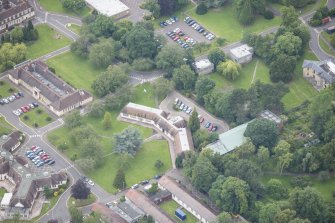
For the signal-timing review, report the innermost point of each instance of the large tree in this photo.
(268, 212)
(162, 87)
(203, 174)
(153, 7)
(282, 68)
(309, 203)
(216, 56)
(184, 78)
(117, 100)
(202, 87)
(79, 190)
(110, 80)
(262, 132)
(10, 55)
(288, 44)
(101, 25)
(229, 69)
(120, 180)
(81, 46)
(231, 194)
(128, 141)
(73, 120)
(283, 155)
(169, 58)
(246, 10)
(107, 121)
(276, 189)
(102, 54)
(141, 42)
(193, 122)
(73, 5)
(76, 215)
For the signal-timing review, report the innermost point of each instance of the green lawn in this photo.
(2, 192)
(304, 10)
(145, 95)
(5, 127)
(48, 41)
(224, 23)
(324, 45)
(324, 187)
(81, 202)
(6, 89)
(300, 89)
(170, 207)
(74, 28)
(141, 167)
(56, 6)
(246, 78)
(75, 70)
(36, 118)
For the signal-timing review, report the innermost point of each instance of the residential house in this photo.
(13, 141)
(183, 198)
(46, 87)
(13, 13)
(320, 74)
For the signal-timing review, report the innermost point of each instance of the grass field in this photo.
(140, 168)
(74, 28)
(48, 41)
(324, 45)
(227, 19)
(324, 187)
(5, 127)
(246, 78)
(304, 10)
(170, 207)
(56, 6)
(72, 202)
(37, 118)
(2, 192)
(6, 89)
(300, 89)
(75, 70)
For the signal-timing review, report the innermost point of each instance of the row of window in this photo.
(16, 16)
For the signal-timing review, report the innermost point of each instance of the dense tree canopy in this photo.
(110, 80)
(141, 42)
(10, 55)
(229, 69)
(184, 78)
(102, 54)
(79, 190)
(202, 87)
(203, 174)
(309, 203)
(246, 10)
(216, 56)
(231, 194)
(128, 141)
(169, 58)
(282, 68)
(262, 132)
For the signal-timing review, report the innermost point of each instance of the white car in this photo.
(168, 22)
(6, 100)
(134, 186)
(90, 182)
(16, 113)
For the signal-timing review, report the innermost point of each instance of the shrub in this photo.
(74, 157)
(63, 147)
(2, 83)
(10, 90)
(300, 181)
(324, 175)
(201, 9)
(39, 111)
(35, 125)
(268, 14)
(143, 64)
(52, 70)
(26, 117)
(48, 119)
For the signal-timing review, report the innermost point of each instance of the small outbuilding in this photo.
(241, 54)
(110, 8)
(204, 66)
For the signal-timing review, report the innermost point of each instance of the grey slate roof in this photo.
(20, 7)
(320, 68)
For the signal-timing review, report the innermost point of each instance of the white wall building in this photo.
(204, 66)
(111, 8)
(241, 54)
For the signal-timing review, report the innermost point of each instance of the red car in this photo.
(27, 108)
(45, 157)
(202, 120)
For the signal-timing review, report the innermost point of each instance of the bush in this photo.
(36, 125)
(10, 90)
(300, 181)
(2, 83)
(74, 157)
(201, 9)
(39, 111)
(63, 147)
(48, 119)
(143, 64)
(52, 70)
(324, 175)
(268, 14)
(26, 117)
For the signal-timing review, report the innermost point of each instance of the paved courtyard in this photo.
(136, 13)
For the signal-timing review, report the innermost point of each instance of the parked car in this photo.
(29, 152)
(90, 182)
(35, 104)
(207, 125)
(21, 94)
(53, 162)
(38, 151)
(156, 177)
(16, 113)
(144, 182)
(214, 128)
(202, 120)
(40, 164)
(134, 186)
(6, 101)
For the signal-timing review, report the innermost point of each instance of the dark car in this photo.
(144, 182)
(21, 94)
(2, 102)
(35, 104)
(51, 162)
(156, 177)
